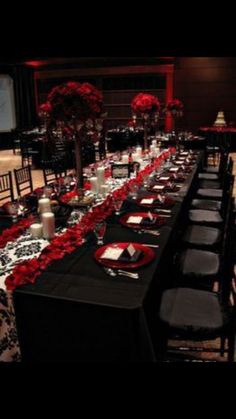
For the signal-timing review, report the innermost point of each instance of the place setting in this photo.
(161, 203)
(14, 210)
(167, 187)
(123, 255)
(143, 221)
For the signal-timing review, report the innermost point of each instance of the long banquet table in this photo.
(75, 312)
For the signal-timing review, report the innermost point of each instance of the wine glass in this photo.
(161, 199)
(145, 177)
(117, 202)
(99, 231)
(48, 191)
(75, 217)
(14, 211)
(133, 187)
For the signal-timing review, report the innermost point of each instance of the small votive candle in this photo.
(139, 151)
(94, 184)
(135, 156)
(48, 220)
(152, 147)
(36, 230)
(44, 205)
(125, 158)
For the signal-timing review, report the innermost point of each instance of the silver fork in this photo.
(152, 232)
(114, 273)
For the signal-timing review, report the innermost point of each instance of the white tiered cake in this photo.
(220, 120)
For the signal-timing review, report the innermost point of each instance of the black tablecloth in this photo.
(76, 312)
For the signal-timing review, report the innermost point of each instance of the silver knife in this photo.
(163, 210)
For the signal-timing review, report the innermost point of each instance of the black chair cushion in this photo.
(202, 235)
(208, 176)
(210, 193)
(206, 184)
(192, 313)
(211, 169)
(206, 204)
(205, 216)
(198, 263)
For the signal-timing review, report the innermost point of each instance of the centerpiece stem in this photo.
(145, 136)
(78, 157)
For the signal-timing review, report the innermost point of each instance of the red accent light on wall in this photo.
(34, 63)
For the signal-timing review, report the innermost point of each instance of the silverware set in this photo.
(166, 211)
(120, 272)
(152, 232)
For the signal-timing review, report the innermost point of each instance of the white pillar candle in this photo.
(44, 205)
(152, 148)
(48, 220)
(139, 151)
(125, 158)
(101, 175)
(154, 142)
(135, 156)
(36, 230)
(94, 184)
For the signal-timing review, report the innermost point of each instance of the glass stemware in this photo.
(117, 205)
(133, 187)
(75, 217)
(14, 211)
(99, 231)
(145, 178)
(161, 199)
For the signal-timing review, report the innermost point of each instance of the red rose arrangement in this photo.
(131, 124)
(44, 112)
(175, 107)
(148, 107)
(45, 109)
(78, 106)
(144, 103)
(73, 100)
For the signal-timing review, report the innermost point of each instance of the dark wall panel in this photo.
(118, 90)
(205, 85)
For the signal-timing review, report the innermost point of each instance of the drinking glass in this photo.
(99, 230)
(161, 199)
(117, 205)
(48, 190)
(133, 187)
(14, 211)
(145, 177)
(74, 218)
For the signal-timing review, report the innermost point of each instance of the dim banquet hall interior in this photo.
(117, 210)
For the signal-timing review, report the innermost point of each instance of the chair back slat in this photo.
(50, 176)
(6, 187)
(23, 178)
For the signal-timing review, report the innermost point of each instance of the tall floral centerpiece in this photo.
(77, 105)
(44, 112)
(147, 106)
(175, 108)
